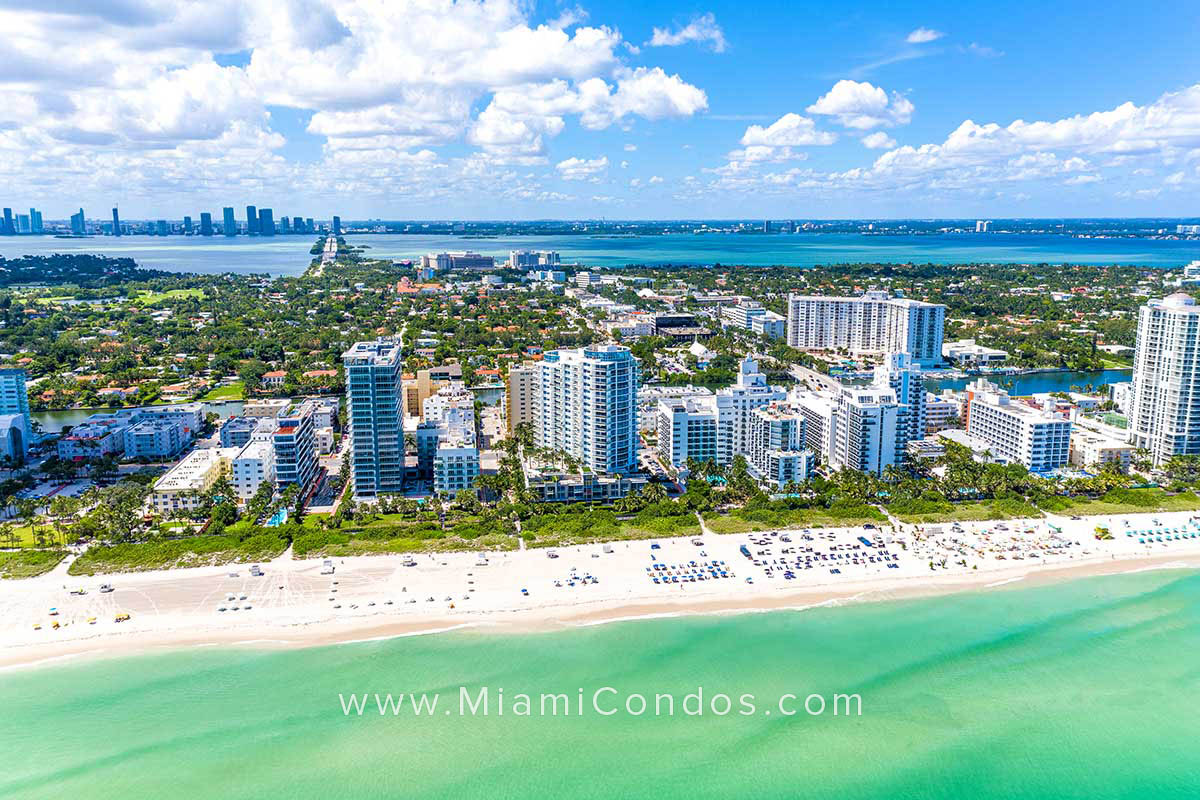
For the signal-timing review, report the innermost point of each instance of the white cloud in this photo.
(702, 29)
(790, 130)
(863, 106)
(133, 101)
(923, 35)
(878, 141)
(629, 148)
(655, 179)
(982, 50)
(977, 158)
(579, 169)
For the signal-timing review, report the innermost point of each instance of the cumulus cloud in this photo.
(923, 35)
(702, 29)
(580, 169)
(175, 94)
(863, 106)
(790, 130)
(1073, 151)
(878, 141)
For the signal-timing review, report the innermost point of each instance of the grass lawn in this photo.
(29, 563)
(1123, 501)
(744, 520)
(234, 391)
(24, 535)
(153, 298)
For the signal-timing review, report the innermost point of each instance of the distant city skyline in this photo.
(532, 111)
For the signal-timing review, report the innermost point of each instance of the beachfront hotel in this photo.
(586, 406)
(870, 324)
(1165, 411)
(1016, 433)
(373, 411)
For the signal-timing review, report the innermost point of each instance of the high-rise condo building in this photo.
(206, 228)
(6, 225)
(15, 424)
(1165, 413)
(266, 222)
(373, 411)
(24, 225)
(520, 395)
(295, 447)
(116, 223)
(35, 221)
(162, 228)
(187, 226)
(852, 428)
(587, 406)
(871, 324)
(778, 453)
(337, 226)
(251, 221)
(79, 224)
(734, 404)
(14, 397)
(228, 224)
(687, 429)
(902, 375)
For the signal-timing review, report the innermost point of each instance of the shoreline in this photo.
(294, 606)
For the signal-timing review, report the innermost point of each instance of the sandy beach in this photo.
(294, 605)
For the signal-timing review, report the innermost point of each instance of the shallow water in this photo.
(1085, 689)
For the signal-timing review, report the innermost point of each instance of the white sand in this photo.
(294, 605)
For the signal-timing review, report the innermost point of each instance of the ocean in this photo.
(1083, 689)
(289, 255)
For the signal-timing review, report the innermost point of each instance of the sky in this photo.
(431, 109)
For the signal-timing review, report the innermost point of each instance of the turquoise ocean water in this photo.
(1086, 689)
(289, 255)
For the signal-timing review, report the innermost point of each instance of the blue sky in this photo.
(434, 109)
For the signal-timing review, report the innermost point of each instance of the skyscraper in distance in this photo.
(35, 221)
(266, 222)
(285, 225)
(79, 224)
(337, 226)
(206, 228)
(187, 225)
(251, 221)
(7, 228)
(116, 222)
(229, 223)
(162, 228)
